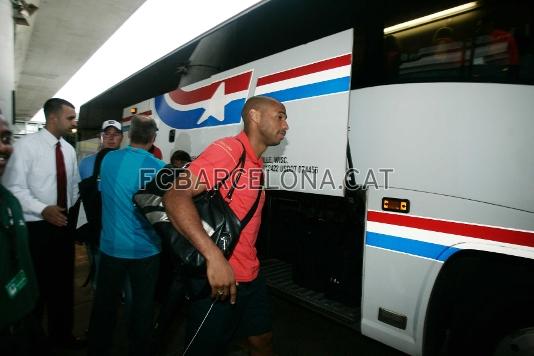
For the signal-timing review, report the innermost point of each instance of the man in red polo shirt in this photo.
(243, 309)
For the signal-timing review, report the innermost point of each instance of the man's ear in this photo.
(254, 116)
(52, 118)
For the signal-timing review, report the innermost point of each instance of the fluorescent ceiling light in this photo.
(432, 17)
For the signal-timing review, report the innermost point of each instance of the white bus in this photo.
(402, 200)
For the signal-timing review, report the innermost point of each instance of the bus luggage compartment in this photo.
(311, 246)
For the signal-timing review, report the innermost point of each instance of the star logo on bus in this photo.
(214, 103)
(215, 106)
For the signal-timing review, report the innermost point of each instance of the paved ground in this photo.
(297, 331)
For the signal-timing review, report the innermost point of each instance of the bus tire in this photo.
(479, 299)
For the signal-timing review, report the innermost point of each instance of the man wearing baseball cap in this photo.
(110, 137)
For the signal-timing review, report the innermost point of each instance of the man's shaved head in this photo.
(258, 103)
(265, 121)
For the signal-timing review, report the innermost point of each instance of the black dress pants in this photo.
(52, 251)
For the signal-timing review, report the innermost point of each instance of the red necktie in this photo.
(61, 178)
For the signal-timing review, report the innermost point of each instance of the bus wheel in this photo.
(517, 343)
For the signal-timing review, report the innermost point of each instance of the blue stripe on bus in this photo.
(311, 90)
(412, 247)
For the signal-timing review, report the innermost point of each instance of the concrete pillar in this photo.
(7, 58)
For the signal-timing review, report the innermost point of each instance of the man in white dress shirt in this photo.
(42, 173)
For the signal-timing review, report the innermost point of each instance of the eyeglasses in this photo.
(111, 135)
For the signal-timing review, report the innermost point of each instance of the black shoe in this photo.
(71, 343)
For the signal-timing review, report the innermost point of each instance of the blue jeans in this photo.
(142, 274)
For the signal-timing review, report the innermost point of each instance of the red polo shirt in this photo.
(223, 155)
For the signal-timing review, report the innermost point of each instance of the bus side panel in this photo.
(453, 149)
(466, 140)
(313, 83)
(395, 282)
(403, 258)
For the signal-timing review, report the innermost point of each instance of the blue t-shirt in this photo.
(87, 166)
(125, 232)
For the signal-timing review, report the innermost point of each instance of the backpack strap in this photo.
(235, 180)
(98, 161)
(252, 210)
(241, 164)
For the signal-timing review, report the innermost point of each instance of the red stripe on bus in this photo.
(456, 228)
(307, 69)
(232, 85)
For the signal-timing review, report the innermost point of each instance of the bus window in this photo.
(437, 50)
(495, 50)
(483, 41)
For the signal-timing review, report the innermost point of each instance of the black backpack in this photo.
(92, 202)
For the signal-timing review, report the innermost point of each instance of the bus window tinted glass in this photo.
(489, 42)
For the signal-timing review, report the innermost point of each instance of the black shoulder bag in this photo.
(218, 219)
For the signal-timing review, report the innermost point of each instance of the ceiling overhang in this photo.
(60, 38)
